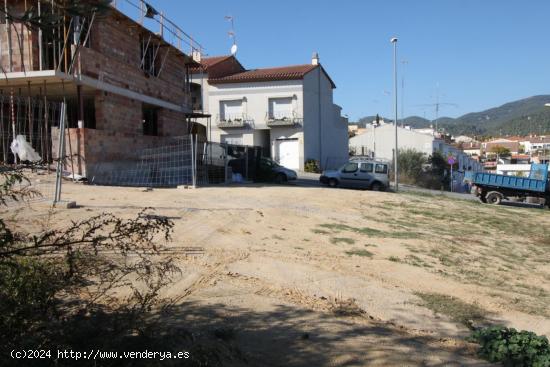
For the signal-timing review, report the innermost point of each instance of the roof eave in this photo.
(251, 80)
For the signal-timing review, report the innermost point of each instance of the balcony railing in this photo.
(284, 120)
(234, 120)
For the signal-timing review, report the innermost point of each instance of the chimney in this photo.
(196, 55)
(315, 59)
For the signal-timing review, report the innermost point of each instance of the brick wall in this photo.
(115, 58)
(23, 46)
(94, 151)
(117, 113)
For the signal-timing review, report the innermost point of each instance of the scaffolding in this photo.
(44, 82)
(61, 34)
(31, 117)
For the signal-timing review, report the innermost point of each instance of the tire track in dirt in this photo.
(344, 308)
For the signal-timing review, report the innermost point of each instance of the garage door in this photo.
(288, 153)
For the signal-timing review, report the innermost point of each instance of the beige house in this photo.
(512, 145)
(473, 148)
(288, 110)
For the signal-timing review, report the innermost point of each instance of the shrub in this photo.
(410, 164)
(416, 169)
(95, 283)
(312, 166)
(512, 347)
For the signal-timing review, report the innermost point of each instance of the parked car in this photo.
(359, 173)
(270, 170)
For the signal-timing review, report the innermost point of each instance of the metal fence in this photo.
(165, 166)
(186, 160)
(180, 161)
(40, 182)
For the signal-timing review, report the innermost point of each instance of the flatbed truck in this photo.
(493, 188)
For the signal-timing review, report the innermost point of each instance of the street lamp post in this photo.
(396, 150)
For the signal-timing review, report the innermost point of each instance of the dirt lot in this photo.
(325, 277)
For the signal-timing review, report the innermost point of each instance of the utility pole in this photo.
(403, 62)
(396, 150)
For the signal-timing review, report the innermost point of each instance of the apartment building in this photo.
(289, 110)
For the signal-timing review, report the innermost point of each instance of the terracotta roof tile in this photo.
(294, 72)
(207, 62)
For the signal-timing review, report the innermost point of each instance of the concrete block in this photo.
(72, 205)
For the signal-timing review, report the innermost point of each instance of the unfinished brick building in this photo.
(126, 87)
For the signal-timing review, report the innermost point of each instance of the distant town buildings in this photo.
(507, 155)
(379, 142)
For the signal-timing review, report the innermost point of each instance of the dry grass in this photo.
(477, 244)
(460, 312)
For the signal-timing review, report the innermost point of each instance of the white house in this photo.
(537, 143)
(380, 142)
(287, 110)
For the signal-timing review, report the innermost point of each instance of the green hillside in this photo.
(522, 117)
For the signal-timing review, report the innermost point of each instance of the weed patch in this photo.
(459, 311)
(337, 240)
(371, 232)
(358, 252)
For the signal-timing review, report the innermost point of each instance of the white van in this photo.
(359, 173)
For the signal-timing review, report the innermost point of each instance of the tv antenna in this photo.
(232, 35)
(437, 105)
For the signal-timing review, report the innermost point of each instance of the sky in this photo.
(477, 53)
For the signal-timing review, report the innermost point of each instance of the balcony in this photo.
(284, 120)
(232, 121)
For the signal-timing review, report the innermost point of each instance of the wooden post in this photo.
(30, 111)
(80, 125)
(13, 122)
(46, 128)
(40, 49)
(2, 129)
(8, 26)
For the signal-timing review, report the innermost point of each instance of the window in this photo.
(81, 27)
(280, 108)
(350, 168)
(150, 121)
(381, 168)
(267, 163)
(151, 58)
(196, 96)
(89, 113)
(73, 112)
(231, 110)
(233, 139)
(366, 167)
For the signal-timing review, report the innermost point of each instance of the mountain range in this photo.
(522, 117)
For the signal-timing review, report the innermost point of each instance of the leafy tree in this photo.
(410, 163)
(437, 177)
(500, 151)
